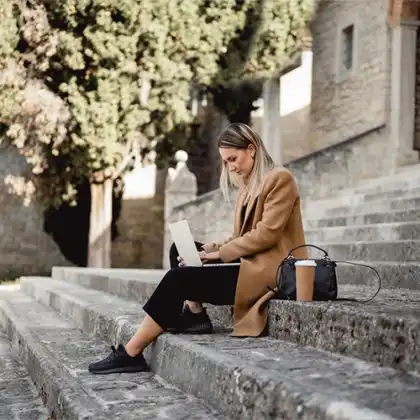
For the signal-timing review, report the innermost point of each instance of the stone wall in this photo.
(295, 133)
(141, 223)
(345, 107)
(343, 165)
(25, 249)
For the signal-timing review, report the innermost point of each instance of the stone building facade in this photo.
(364, 76)
(351, 68)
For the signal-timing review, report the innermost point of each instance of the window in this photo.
(347, 47)
(346, 53)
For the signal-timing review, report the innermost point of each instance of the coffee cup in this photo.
(305, 279)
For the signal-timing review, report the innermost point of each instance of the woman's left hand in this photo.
(209, 256)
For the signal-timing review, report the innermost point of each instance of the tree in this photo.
(73, 72)
(82, 81)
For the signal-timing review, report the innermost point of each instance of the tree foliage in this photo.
(75, 74)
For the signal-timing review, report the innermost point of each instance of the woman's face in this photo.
(240, 161)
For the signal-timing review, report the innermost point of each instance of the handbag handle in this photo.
(308, 245)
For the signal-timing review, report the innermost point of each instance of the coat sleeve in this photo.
(281, 194)
(215, 246)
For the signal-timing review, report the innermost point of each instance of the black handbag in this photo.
(325, 288)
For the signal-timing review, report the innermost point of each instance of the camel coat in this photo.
(262, 239)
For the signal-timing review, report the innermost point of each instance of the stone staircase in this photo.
(340, 360)
(19, 398)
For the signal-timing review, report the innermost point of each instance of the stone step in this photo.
(311, 222)
(136, 286)
(375, 232)
(19, 398)
(246, 378)
(404, 181)
(352, 199)
(139, 288)
(334, 210)
(404, 251)
(385, 330)
(57, 354)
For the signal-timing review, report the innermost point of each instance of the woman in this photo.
(268, 224)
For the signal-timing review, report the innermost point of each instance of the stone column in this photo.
(271, 119)
(403, 81)
(181, 187)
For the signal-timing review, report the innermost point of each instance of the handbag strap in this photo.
(307, 245)
(377, 275)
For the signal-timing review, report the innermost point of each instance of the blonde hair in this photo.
(241, 136)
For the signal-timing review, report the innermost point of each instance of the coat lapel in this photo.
(249, 208)
(238, 212)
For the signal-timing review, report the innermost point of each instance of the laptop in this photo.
(184, 242)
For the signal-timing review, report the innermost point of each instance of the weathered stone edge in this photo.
(61, 396)
(397, 275)
(380, 338)
(230, 390)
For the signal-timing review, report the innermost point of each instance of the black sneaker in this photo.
(119, 361)
(191, 323)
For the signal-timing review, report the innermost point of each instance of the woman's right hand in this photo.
(181, 262)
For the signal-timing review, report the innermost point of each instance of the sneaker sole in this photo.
(128, 369)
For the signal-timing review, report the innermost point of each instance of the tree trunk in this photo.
(99, 252)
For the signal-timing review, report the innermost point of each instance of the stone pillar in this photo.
(271, 119)
(99, 251)
(180, 188)
(403, 82)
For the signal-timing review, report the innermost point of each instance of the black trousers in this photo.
(215, 285)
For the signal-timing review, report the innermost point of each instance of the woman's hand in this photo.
(205, 256)
(181, 262)
(209, 256)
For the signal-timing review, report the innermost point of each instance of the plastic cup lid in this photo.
(306, 263)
